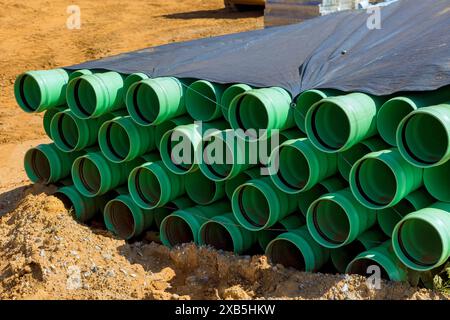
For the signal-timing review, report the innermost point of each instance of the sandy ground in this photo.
(44, 253)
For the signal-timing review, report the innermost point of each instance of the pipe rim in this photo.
(58, 132)
(115, 141)
(204, 195)
(343, 118)
(402, 252)
(25, 102)
(409, 153)
(229, 94)
(204, 238)
(84, 105)
(51, 163)
(301, 108)
(358, 189)
(146, 200)
(200, 108)
(85, 185)
(124, 231)
(166, 148)
(187, 221)
(241, 214)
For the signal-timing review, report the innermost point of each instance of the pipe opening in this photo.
(330, 126)
(146, 103)
(85, 97)
(89, 175)
(389, 117)
(67, 134)
(281, 251)
(425, 139)
(251, 113)
(253, 206)
(376, 182)
(177, 153)
(331, 221)
(177, 231)
(304, 103)
(201, 101)
(118, 142)
(420, 242)
(30, 92)
(121, 219)
(148, 186)
(39, 165)
(217, 236)
(223, 169)
(361, 267)
(294, 169)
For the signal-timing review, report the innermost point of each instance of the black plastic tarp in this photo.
(411, 52)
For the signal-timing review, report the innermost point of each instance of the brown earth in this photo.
(44, 253)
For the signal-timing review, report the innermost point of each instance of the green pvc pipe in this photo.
(258, 204)
(396, 109)
(421, 240)
(203, 190)
(79, 73)
(179, 146)
(47, 119)
(224, 155)
(297, 249)
(382, 256)
(423, 137)
(294, 221)
(93, 95)
(152, 185)
(37, 91)
(341, 257)
(183, 225)
(130, 80)
(261, 109)
(306, 100)
(330, 185)
(46, 164)
(94, 175)
(84, 208)
(337, 219)
(203, 100)
(224, 233)
(233, 183)
(168, 125)
(389, 217)
(335, 124)
(121, 139)
(347, 158)
(229, 94)
(71, 133)
(153, 101)
(290, 134)
(126, 219)
(437, 181)
(301, 165)
(160, 213)
(381, 179)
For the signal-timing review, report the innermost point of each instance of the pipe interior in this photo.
(118, 141)
(331, 126)
(304, 103)
(376, 182)
(420, 242)
(40, 165)
(85, 97)
(286, 253)
(199, 188)
(389, 117)
(252, 113)
(89, 175)
(216, 235)
(342, 256)
(68, 132)
(122, 219)
(425, 138)
(223, 163)
(147, 103)
(361, 267)
(148, 186)
(30, 91)
(254, 206)
(179, 151)
(177, 231)
(294, 170)
(331, 221)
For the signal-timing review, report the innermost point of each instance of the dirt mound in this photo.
(46, 254)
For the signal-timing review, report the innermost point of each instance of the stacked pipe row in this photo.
(362, 180)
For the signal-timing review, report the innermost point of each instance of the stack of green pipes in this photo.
(363, 180)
